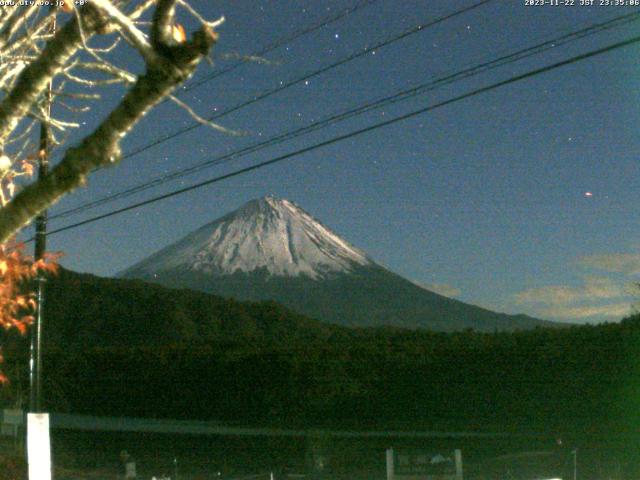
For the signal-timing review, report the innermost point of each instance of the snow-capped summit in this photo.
(267, 234)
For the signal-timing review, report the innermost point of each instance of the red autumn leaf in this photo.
(17, 305)
(27, 168)
(66, 6)
(178, 33)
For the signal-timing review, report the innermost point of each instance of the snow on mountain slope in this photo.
(266, 234)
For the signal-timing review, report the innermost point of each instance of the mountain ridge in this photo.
(271, 249)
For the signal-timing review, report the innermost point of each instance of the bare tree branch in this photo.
(130, 31)
(15, 21)
(33, 80)
(162, 26)
(208, 123)
(169, 66)
(140, 9)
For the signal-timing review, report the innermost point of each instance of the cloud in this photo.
(565, 302)
(602, 297)
(441, 288)
(549, 294)
(565, 312)
(628, 263)
(593, 288)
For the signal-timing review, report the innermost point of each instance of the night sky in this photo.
(522, 199)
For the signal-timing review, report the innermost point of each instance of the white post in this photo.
(271, 476)
(458, 455)
(390, 469)
(38, 446)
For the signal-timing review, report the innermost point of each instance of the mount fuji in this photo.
(271, 249)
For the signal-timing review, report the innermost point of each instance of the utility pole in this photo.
(38, 429)
(575, 463)
(35, 361)
(40, 248)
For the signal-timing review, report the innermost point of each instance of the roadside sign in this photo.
(414, 464)
(38, 446)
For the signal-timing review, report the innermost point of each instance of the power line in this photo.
(366, 50)
(355, 133)
(282, 41)
(277, 44)
(335, 118)
(270, 47)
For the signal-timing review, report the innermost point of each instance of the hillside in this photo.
(122, 347)
(85, 310)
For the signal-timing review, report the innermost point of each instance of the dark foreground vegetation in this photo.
(127, 348)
